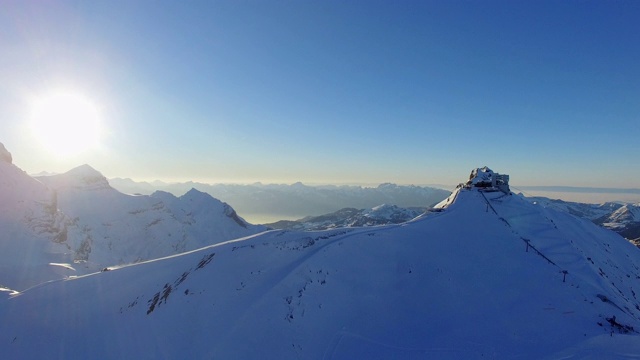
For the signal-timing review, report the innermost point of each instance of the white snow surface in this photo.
(456, 284)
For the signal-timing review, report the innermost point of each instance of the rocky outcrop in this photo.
(5, 155)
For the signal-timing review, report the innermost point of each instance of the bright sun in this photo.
(65, 123)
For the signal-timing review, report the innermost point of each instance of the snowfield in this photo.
(491, 276)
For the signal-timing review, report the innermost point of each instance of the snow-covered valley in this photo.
(488, 275)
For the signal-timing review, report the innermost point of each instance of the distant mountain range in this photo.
(260, 203)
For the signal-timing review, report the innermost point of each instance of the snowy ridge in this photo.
(570, 243)
(83, 177)
(461, 283)
(587, 211)
(389, 212)
(619, 217)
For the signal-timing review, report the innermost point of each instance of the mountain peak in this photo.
(195, 193)
(481, 179)
(5, 155)
(487, 178)
(84, 170)
(81, 177)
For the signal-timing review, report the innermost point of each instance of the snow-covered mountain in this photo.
(490, 276)
(625, 221)
(350, 217)
(120, 229)
(272, 202)
(79, 222)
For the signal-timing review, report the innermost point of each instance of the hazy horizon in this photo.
(567, 193)
(529, 187)
(592, 195)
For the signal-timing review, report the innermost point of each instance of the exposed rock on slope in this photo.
(5, 155)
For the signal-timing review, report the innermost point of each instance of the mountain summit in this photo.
(489, 275)
(486, 178)
(83, 177)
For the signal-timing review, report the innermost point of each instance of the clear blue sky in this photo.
(335, 91)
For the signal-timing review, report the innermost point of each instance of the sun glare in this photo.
(65, 123)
